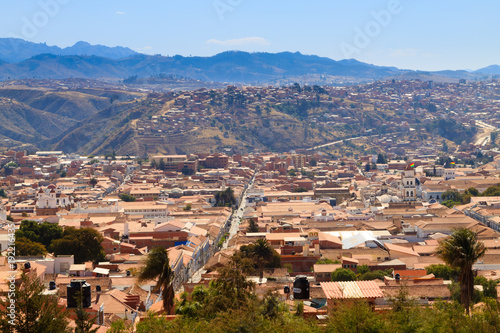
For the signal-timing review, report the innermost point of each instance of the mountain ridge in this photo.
(83, 60)
(230, 66)
(14, 50)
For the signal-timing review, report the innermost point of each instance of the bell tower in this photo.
(408, 182)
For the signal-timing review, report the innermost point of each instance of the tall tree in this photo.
(34, 312)
(461, 251)
(84, 321)
(157, 266)
(231, 289)
(253, 226)
(161, 165)
(263, 254)
(381, 159)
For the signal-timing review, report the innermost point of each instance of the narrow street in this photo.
(233, 230)
(238, 214)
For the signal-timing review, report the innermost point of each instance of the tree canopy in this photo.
(26, 247)
(343, 274)
(126, 197)
(84, 244)
(43, 233)
(259, 255)
(35, 238)
(381, 159)
(253, 226)
(444, 272)
(225, 198)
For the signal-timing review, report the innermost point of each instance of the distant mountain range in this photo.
(15, 50)
(21, 59)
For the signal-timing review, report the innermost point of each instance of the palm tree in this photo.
(263, 254)
(158, 266)
(461, 251)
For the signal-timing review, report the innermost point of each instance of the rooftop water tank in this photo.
(301, 287)
(75, 287)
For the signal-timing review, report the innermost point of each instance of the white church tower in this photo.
(408, 182)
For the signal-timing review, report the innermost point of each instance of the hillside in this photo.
(32, 114)
(493, 69)
(93, 117)
(23, 123)
(74, 105)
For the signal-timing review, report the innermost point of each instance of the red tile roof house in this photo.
(351, 290)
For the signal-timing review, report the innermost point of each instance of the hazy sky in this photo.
(418, 34)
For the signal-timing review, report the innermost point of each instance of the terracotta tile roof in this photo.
(349, 260)
(351, 289)
(411, 273)
(420, 262)
(114, 301)
(327, 268)
(425, 249)
(283, 235)
(328, 237)
(400, 249)
(492, 243)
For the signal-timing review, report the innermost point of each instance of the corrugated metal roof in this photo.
(99, 270)
(351, 289)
